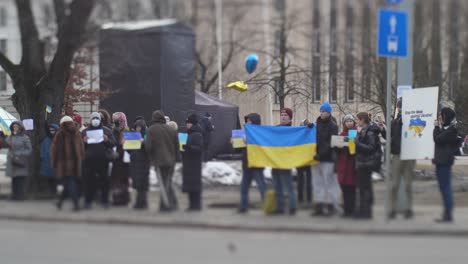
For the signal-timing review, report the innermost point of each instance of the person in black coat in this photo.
(368, 159)
(446, 140)
(192, 164)
(139, 168)
(207, 129)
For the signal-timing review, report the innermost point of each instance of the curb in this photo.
(239, 228)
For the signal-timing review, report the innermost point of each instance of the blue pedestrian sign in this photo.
(392, 33)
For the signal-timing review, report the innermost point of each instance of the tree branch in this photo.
(9, 67)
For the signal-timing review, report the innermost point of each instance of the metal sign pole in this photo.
(388, 145)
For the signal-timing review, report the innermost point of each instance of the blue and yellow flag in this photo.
(280, 147)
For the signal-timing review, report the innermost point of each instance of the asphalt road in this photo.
(38, 243)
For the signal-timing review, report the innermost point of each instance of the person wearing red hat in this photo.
(282, 179)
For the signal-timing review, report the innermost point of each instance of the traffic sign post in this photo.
(391, 42)
(392, 36)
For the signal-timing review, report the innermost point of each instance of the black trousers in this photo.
(95, 178)
(194, 200)
(366, 194)
(304, 182)
(349, 199)
(17, 188)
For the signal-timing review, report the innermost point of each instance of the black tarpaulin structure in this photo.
(149, 65)
(225, 118)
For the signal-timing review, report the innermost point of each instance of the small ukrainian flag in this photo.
(280, 147)
(49, 109)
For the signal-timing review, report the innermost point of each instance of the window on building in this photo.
(366, 40)
(333, 93)
(277, 43)
(3, 16)
(316, 60)
(280, 4)
(48, 15)
(278, 91)
(3, 46)
(349, 77)
(3, 81)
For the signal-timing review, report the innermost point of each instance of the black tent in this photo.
(225, 118)
(149, 65)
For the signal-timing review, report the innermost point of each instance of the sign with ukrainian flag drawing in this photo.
(419, 110)
(280, 147)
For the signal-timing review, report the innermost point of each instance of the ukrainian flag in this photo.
(280, 147)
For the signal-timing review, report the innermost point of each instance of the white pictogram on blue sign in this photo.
(392, 33)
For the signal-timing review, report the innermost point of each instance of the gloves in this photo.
(346, 139)
(310, 125)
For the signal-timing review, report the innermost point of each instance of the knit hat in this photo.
(349, 117)
(77, 118)
(94, 115)
(287, 111)
(326, 107)
(192, 119)
(65, 119)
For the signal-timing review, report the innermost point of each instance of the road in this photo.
(38, 243)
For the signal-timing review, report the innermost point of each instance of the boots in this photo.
(446, 217)
(318, 210)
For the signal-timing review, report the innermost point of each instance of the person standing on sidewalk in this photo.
(17, 165)
(325, 183)
(120, 169)
(207, 129)
(162, 144)
(66, 154)
(139, 168)
(46, 170)
(368, 159)
(304, 179)
(192, 164)
(402, 170)
(282, 179)
(446, 140)
(345, 169)
(96, 162)
(249, 174)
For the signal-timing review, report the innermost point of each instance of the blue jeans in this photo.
(70, 189)
(444, 178)
(282, 180)
(247, 177)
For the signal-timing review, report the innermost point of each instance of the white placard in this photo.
(28, 124)
(95, 136)
(419, 111)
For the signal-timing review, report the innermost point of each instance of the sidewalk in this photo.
(229, 220)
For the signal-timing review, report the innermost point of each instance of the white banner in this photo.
(419, 110)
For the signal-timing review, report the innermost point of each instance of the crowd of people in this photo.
(101, 171)
(341, 182)
(347, 174)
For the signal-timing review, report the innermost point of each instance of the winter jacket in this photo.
(98, 151)
(397, 126)
(326, 128)
(207, 128)
(67, 152)
(46, 169)
(445, 139)
(368, 149)
(162, 142)
(345, 167)
(192, 161)
(256, 120)
(139, 165)
(19, 145)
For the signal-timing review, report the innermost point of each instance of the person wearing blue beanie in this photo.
(326, 190)
(326, 107)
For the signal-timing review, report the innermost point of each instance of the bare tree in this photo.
(36, 84)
